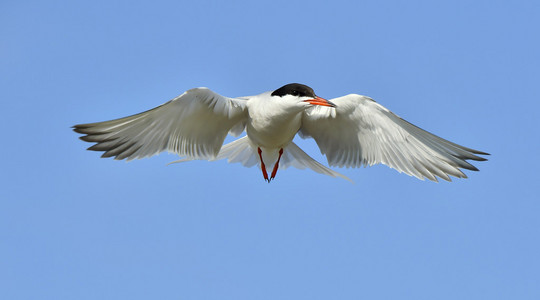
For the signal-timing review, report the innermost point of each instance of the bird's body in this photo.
(271, 128)
(351, 131)
(271, 125)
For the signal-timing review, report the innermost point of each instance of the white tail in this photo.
(244, 152)
(296, 157)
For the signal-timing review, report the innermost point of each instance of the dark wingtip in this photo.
(478, 158)
(80, 128)
(104, 155)
(475, 157)
(471, 168)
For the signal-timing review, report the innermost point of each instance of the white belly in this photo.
(273, 131)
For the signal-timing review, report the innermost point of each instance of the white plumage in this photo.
(352, 131)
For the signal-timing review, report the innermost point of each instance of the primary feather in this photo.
(361, 132)
(193, 124)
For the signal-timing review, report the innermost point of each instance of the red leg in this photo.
(274, 171)
(263, 167)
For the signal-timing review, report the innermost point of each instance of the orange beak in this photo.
(320, 101)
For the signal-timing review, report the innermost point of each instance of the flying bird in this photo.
(352, 131)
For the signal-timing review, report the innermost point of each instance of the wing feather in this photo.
(361, 132)
(193, 124)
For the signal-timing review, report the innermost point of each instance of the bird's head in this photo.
(300, 94)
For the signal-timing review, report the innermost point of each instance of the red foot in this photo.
(263, 167)
(276, 166)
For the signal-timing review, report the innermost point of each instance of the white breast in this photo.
(272, 123)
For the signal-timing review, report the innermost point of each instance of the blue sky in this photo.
(75, 226)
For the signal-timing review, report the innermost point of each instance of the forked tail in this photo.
(296, 157)
(244, 152)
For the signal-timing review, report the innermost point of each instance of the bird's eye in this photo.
(295, 93)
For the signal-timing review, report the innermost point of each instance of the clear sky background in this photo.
(75, 226)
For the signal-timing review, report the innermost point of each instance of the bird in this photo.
(351, 131)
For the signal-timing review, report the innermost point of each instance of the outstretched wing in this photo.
(193, 124)
(360, 131)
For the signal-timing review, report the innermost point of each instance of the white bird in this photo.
(352, 131)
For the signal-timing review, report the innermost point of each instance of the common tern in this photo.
(352, 131)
